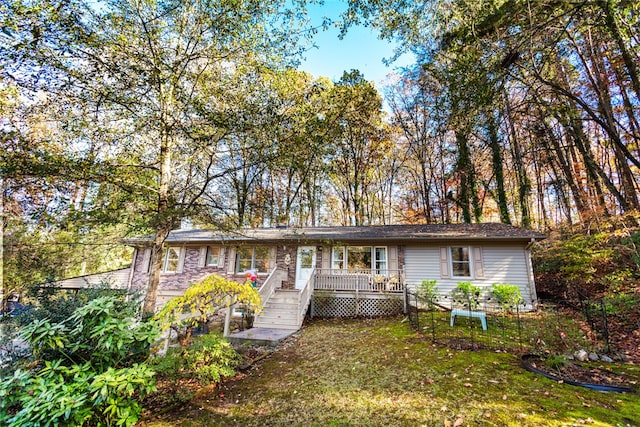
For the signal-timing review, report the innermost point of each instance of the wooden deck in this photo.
(359, 280)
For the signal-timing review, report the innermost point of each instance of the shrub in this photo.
(56, 304)
(201, 300)
(87, 369)
(427, 292)
(465, 292)
(209, 359)
(506, 295)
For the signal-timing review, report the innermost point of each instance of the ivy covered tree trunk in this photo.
(466, 177)
(497, 161)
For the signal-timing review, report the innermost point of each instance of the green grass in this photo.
(382, 373)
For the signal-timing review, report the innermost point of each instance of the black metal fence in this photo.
(616, 313)
(482, 324)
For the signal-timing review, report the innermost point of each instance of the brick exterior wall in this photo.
(192, 271)
(281, 255)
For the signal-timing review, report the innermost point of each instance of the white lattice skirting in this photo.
(349, 304)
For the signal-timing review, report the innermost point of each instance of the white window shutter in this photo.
(231, 267)
(202, 260)
(183, 252)
(146, 260)
(221, 252)
(478, 263)
(444, 263)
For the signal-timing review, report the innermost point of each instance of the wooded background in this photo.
(126, 117)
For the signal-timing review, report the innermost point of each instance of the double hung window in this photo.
(171, 260)
(254, 259)
(460, 261)
(213, 256)
(367, 258)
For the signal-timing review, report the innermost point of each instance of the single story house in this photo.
(370, 264)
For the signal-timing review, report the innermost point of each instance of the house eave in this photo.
(396, 234)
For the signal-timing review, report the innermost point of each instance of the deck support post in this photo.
(227, 320)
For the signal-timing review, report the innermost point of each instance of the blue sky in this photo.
(360, 49)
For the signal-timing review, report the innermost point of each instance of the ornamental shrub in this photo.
(466, 292)
(209, 359)
(85, 370)
(506, 295)
(427, 292)
(201, 300)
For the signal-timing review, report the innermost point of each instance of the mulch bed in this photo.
(587, 374)
(176, 392)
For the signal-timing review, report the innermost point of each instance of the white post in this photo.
(227, 320)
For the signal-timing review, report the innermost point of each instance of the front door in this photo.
(305, 263)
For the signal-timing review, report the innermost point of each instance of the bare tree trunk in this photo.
(606, 109)
(164, 222)
(558, 158)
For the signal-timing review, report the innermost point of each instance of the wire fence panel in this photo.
(483, 324)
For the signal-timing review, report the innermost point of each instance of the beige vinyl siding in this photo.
(421, 263)
(508, 265)
(117, 279)
(501, 264)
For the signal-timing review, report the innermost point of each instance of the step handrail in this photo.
(272, 282)
(304, 298)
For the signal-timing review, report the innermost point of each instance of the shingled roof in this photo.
(405, 234)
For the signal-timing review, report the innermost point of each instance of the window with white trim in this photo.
(213, 255)
(254, 259)
(171, 260)
(337, 259)
(359, 258)
(460, 261)
(380, 260)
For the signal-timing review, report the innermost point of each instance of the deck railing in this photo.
(359, 280)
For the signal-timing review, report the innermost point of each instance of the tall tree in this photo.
(416, 103)
(358, 143)
(578, 54)
(148, 79)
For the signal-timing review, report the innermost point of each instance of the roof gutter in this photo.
(531, 243)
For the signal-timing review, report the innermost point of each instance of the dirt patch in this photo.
(178, 396)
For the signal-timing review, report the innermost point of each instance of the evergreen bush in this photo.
(85, 370)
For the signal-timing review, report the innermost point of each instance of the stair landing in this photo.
(261, 336)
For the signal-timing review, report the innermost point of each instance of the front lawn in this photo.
(382, 373)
